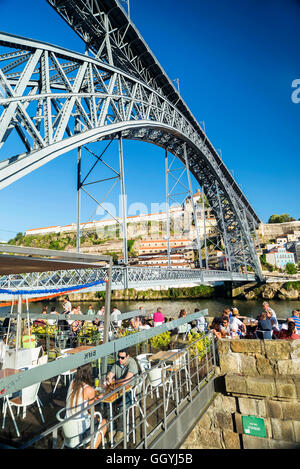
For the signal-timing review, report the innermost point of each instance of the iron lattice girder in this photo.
(134, 276)
(57, 90)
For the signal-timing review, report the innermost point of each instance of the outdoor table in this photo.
(110, 400)
(169, 355)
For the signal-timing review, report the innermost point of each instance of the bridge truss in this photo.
(54, 100)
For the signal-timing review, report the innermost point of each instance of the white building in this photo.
(279, 257)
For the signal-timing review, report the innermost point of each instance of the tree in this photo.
(285, 217)
(290, 268)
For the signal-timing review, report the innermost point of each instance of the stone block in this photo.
(229, 404)
(224, 346)
(286, 388)
(206, 421)
(297, 386)
(248, 365)
(279, 350)
(236, 384)
(231, 440)
(290, 410)
(207, 439)
(246, 346)
(230, 363)
(296, 425)
(223, 420)
(274, 408)
(295, 349)
(264, 387)
(278, 444)
(237, 417)
(282, 430)
(264, 366)
(289, 367)
(248, 406)
(254, 442)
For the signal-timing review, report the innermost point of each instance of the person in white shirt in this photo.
(67, 306)
(271, 315)
(200, 322)
(52, 321)
(115, 316)
(236, 324)
(101, 311)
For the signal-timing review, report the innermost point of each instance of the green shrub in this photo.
(161, 341)
(291, 268)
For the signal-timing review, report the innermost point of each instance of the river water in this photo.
(171, 308)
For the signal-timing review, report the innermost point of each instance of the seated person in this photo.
(215, 328)
(121, 373)
(144, 324)
(290, 333)
(98, 323)
(264, 327)
(101, 311)
(135, 323)
(201, 323)
(51, 322)
(116, 317)
(226, 331)
(158, 318)
(236, 324)
(90, 310)
(75, 327)
(81, 394)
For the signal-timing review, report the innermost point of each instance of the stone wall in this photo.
(262, 379)
(268, 231)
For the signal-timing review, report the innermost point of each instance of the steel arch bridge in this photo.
(55, 100)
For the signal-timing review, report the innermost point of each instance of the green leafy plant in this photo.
(199, 346)
(161, 341)
(291, 268)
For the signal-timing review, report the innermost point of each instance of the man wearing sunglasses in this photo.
(122, 372)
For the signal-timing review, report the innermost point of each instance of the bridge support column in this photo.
(204, 229)
(167, 207)
(78, 199)
(193, 205)
(227, 248)
(123, 202)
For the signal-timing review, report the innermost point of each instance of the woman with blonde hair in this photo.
(80, 395)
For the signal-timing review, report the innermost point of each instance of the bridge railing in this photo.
(122, 277)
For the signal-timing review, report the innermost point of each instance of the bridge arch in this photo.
(99, 94)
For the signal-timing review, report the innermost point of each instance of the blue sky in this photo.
(236, 61)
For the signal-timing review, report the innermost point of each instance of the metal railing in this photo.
(147, 415)
(122, 278)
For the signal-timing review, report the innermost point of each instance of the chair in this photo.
(135, 392)
(178, 364)
(62, 338)
(183, 330)
(29, 396)
(156, 378)
(66, 374)
(22, 358)
(72, 433)
(143, 361)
